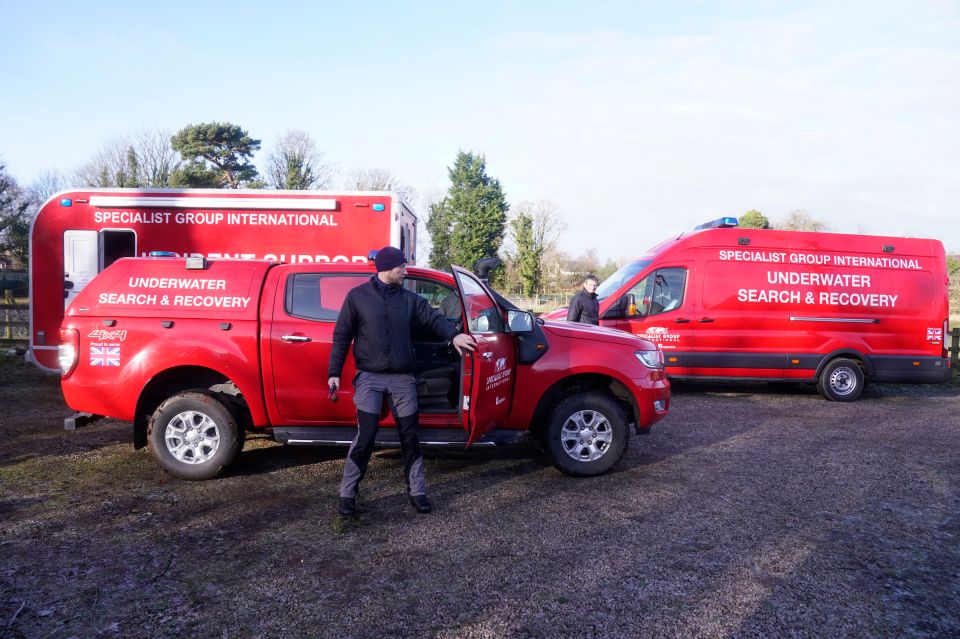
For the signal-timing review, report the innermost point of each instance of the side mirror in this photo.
(482, 324)
(520, 321)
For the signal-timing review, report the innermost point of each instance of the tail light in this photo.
(67, 351)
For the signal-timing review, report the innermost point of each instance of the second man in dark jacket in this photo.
(585, 307)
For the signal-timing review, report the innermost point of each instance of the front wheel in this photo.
(841, 380)
(194, 436)
(587, 434)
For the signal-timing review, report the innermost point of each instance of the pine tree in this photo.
(526, 258)
(439, 227)
(754, 219)
(477, 210)
(215, 150)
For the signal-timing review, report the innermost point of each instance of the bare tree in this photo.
(378, 180)
(802, 221)
(157, 158)
(534, 231)
(425, 204)
(108, 167)
(45, 185)
(144, 159)
(295, 163)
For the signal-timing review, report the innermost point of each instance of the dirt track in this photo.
(749, 512)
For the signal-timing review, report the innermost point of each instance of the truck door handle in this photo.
(681, 320)
(295, 338)
(486, 355)
(705, 320)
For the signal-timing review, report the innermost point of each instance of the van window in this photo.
(623, 275)
(660, 292)
(319, 296)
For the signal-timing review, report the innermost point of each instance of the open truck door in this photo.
(488, 372)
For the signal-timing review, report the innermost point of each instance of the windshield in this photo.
(613, 283)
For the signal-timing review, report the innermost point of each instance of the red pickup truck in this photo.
(197, 352)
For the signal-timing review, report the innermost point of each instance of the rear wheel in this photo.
(194, 436)
(587, 434)
(841, 380)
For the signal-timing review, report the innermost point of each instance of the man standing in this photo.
(377, 317)
(584, 307)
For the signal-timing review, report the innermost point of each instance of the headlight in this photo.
(651, 359)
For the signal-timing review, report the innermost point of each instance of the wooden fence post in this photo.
(7, 302)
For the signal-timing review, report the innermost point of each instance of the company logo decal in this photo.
(661, 335)
(501, 375)
(104, 355)
(501, 400)
(103, 335)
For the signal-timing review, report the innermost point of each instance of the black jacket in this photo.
(584, 308)
(378, 320)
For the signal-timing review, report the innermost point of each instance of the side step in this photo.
(389, 437)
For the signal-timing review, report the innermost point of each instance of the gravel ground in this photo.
(750, 511)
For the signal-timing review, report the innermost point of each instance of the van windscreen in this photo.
(623, 275)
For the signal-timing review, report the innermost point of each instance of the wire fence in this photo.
(14, 322)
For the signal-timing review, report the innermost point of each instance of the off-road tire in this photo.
(588, 410)
(207, 418)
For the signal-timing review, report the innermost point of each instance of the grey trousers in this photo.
(369, 392)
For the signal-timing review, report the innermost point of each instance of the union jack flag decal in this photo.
(104, 355)
(934, 334)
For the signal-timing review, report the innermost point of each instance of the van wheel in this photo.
(841, 380)
(194, 436)
(587, 434)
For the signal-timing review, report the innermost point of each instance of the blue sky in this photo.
(637, 120)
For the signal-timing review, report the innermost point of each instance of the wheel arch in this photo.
(182, 378)
(848, 353)
(583, 382)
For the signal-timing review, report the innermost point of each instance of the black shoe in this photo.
(421, 503)
(347, 506)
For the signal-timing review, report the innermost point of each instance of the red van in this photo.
(839, 310)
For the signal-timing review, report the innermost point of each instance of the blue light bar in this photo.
(723, 223)
(66, 202)
(378, 207)
(162, 254)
